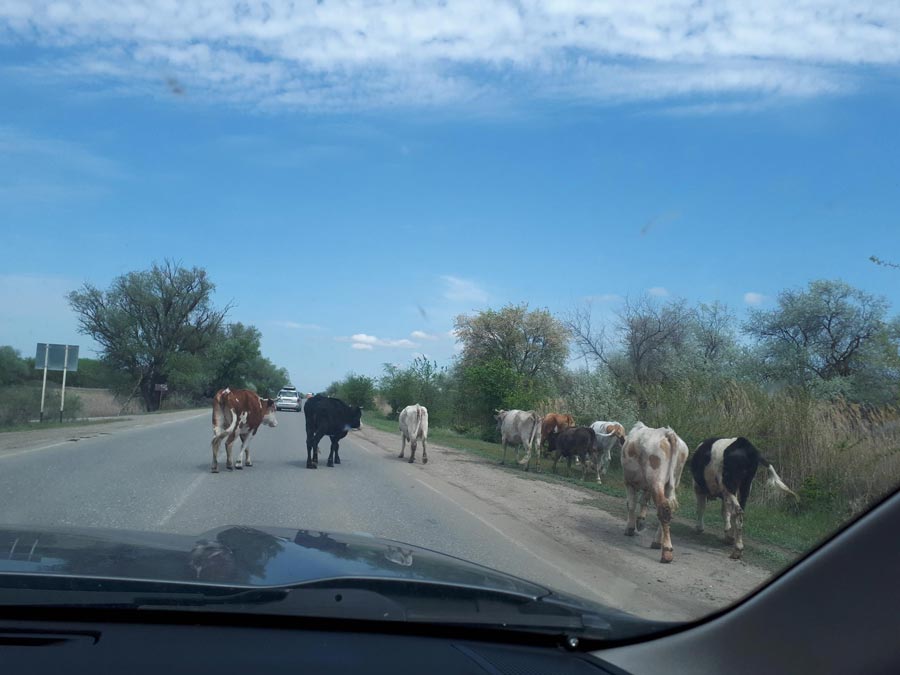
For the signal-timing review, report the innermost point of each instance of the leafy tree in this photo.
(829, 330)
(532, 343)
(13, 368)
(354, 390)
(147, 318)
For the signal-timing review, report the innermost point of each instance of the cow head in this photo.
(269, 416)
(355, 417)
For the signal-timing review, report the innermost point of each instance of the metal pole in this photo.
(44, 388)
(62, 396)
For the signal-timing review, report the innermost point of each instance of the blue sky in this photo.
(352, 194)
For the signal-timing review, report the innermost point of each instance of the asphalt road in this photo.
(156, 477)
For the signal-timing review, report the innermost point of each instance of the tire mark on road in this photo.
(173, 509)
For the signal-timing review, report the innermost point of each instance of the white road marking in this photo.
(544, 560)
(173, 509)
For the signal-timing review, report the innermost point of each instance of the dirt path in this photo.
(574, 528)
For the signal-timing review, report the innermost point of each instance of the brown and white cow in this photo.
(552, 423)
(238, 412)
(652, 462)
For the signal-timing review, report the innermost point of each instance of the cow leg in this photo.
(631, 495)
(229, 464)
(642, 516)
(313, 462)
(424, 452)
(726, 517)
(503, 459)
(402, 445)
(218, 435)
(556, 457)
(247, 461)
(337, 453)
(412, 450)
(664, 513)
(239, 463)
(701, 510)
(737, 527)
(334, 447)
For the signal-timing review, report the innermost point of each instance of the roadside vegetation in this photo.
(155, 327)
(814, 382)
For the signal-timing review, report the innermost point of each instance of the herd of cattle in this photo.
(652, 459)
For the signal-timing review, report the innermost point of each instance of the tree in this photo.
(532, 343)
(147, 318)
(826, 332)
(354, 390)
(13, 368)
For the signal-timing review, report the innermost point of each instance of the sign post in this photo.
(44, 386)
(56, 357)
(161, 388)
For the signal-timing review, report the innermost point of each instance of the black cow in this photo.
(724, 468)
(573, 442)
(327, 417)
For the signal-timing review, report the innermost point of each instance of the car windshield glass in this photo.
(597, 304)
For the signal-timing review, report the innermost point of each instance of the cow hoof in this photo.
(230, 468)
(249, 463)
(330, 463)
(411, 461)
(736, 554)
(699, 528)
(215, 469)
(667, 555)
(655, 544)
(640, 524)
(311, 465)
(238, 466)
(629, 532)
(424, 460)
(337, 460)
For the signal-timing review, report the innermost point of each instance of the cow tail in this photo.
(218, 410)
(774, 480)
(671, 495)
(415, 435)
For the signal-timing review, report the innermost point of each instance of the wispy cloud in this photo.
(349, 55)
(463, 290)
(754, 298)
(422, 335)
(366, 341)
(658, 291)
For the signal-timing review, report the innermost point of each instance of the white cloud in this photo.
(422, 335)
(463, 290)
(658, 291)
(753, 298)
(365, 341)
(296, 326)
(345, 54)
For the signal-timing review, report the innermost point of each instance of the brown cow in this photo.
(552, 423)
(652, 462)
(238, 412)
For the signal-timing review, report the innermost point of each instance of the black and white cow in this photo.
(328, 417)
(724, 468)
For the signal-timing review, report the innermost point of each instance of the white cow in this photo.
(414, 428)
(519, 427)
(652, 462)
(609, 435)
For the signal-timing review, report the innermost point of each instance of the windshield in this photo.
(603, 299)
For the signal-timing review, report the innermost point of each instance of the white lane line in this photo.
(510, 539)
(172, 510)
(5, 455)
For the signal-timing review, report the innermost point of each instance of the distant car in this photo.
(309, 395)
(288, 399)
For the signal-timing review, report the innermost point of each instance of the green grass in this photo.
(775, 534)
(37, 426)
